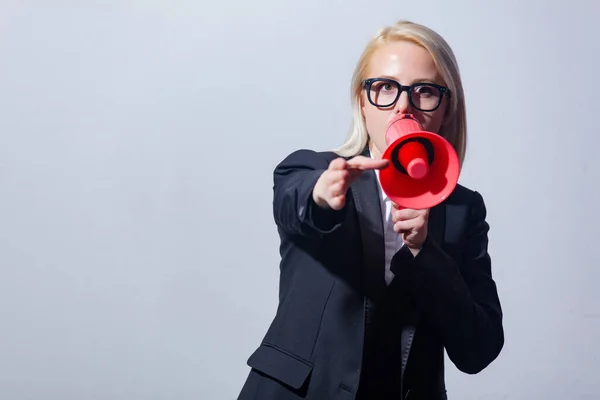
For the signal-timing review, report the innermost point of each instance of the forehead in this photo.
(404, 61)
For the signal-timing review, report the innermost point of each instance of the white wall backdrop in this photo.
(138, 257)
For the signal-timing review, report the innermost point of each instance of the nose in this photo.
(403, 104)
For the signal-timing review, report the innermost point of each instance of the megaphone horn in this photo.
(424, 166)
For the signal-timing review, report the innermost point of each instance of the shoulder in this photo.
(308, 158)
(463, 194)
(467, 197)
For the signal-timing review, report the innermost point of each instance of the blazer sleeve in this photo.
(294, 209)
(460, 300)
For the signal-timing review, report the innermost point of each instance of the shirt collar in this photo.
(383, 195)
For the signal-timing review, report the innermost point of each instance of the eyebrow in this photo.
(420, 80)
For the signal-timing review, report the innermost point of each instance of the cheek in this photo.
(432, 122)
(433, 125)
(376, 122)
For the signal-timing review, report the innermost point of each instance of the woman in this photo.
(372, 294)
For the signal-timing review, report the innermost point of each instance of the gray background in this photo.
(138, 257)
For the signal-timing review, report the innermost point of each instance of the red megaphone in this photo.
(424, 167)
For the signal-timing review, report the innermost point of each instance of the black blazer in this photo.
(338, 326)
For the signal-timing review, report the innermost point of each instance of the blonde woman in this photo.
(371, 295)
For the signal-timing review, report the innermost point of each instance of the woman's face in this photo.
(406, 63)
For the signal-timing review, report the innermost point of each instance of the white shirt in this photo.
(393, 241)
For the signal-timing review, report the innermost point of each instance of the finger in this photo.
(404, 214)
(338, 189)
(336, 176)
(403, 227)
(425, 211)
(364, 163)
(395, 216)
(337, 203)
(368, 164)
(338, 164)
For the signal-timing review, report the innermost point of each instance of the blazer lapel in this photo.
(366, 198)
(437, 223)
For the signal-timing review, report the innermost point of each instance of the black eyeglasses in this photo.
(384, 92)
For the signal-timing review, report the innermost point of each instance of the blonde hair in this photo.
(454, 127)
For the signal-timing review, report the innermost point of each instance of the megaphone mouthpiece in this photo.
(412, 156)
(400, 125)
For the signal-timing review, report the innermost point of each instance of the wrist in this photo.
(414, 251)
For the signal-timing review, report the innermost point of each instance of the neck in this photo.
(375, 153)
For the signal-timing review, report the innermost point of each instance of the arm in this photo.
(294, 209)
(461, 301)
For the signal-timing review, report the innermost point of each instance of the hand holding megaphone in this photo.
(412, 225)
(331, 187)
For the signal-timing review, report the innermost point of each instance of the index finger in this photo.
(363, 163)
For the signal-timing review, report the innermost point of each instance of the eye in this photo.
(386, 87)
(426, 90)
(383, 87)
